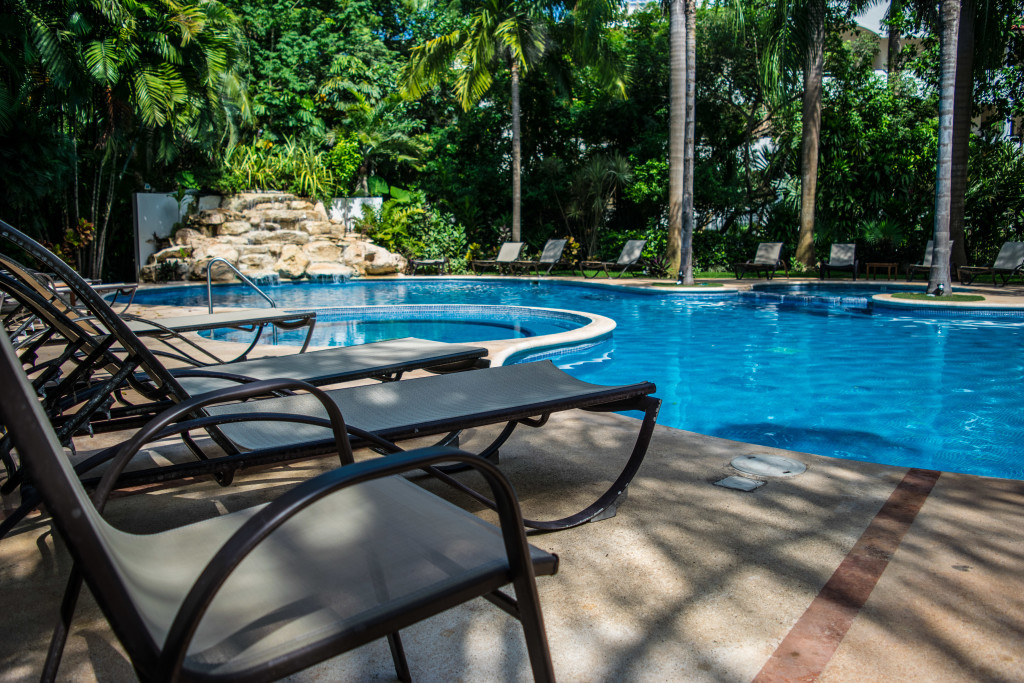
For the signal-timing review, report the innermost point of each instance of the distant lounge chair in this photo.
(1009, 262)
(842, 257)
(629, 259)
(338, 561)
(768, 259)
(507, 255)
(926, 263)
(550, 257)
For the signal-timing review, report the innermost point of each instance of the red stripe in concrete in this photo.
(807, 648)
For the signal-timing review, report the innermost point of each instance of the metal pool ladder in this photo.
(209, 283)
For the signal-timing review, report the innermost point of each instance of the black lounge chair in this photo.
(380, 415)
(173, 329)
(1009, 262)
(550, 257)
(629, 260)
(842, 257)
(767, 260)
(507, 255)
(343, 559)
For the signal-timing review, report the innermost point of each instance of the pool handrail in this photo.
(209, 282)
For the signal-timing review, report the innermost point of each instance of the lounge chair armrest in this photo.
(259, 388)
(271, 517)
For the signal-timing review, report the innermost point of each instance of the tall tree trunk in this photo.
(814, 67)
(895, 38)
(949, 16)
(517, 188)
(689, 141)
(676, 131)
(963, 103)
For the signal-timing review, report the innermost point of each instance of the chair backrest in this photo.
(768, 253)
(97, 307)
(1011, 255)
(509, 252)
(842, 255)
(552, 251)
(93, 543)
(631, 252)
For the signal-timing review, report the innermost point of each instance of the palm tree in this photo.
(814, 67)
(949, 18)
(381, 129)
(689, 155)
(108, 74)
(498, 32)
(676, 132)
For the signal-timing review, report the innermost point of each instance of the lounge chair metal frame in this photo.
(1008, 264)
(767, 259)
(842, 257)
(173, 329)
(629, 260)
(162, 631)
(507, 256)
(437, 405)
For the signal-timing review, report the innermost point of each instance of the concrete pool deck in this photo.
(848, 572)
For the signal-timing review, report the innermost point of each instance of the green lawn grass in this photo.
(918, 296)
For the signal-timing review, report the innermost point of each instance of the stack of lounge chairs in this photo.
(190, 602)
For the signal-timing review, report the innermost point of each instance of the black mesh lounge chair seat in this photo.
(841, 257)
(550, 257)
(380, 415)
(379, 360)
(340, 560)
(1009, 262)
(767, 260)
(507, 255)
(254, 320)
(629, 260)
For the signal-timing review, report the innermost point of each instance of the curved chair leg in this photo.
(607, 503)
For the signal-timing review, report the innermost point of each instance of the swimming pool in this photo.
(939, 392)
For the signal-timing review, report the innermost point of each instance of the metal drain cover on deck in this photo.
(765, 465)
(739, 483)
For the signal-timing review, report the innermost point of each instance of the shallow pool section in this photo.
(927, 388)
(345, 326)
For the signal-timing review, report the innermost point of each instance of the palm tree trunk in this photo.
(895, 39)
(517, 188)
(676, 131)
(814, 67)
(949, 15)
(963, 101)
(686, 248)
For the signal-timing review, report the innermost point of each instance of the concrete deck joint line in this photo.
(806, 650)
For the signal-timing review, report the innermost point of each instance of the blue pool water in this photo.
(347, 330)
(910, 390)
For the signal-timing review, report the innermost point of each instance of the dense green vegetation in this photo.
(99, 99)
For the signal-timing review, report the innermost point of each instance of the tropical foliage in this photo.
(102, 98)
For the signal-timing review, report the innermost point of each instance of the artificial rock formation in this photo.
(267, 235)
